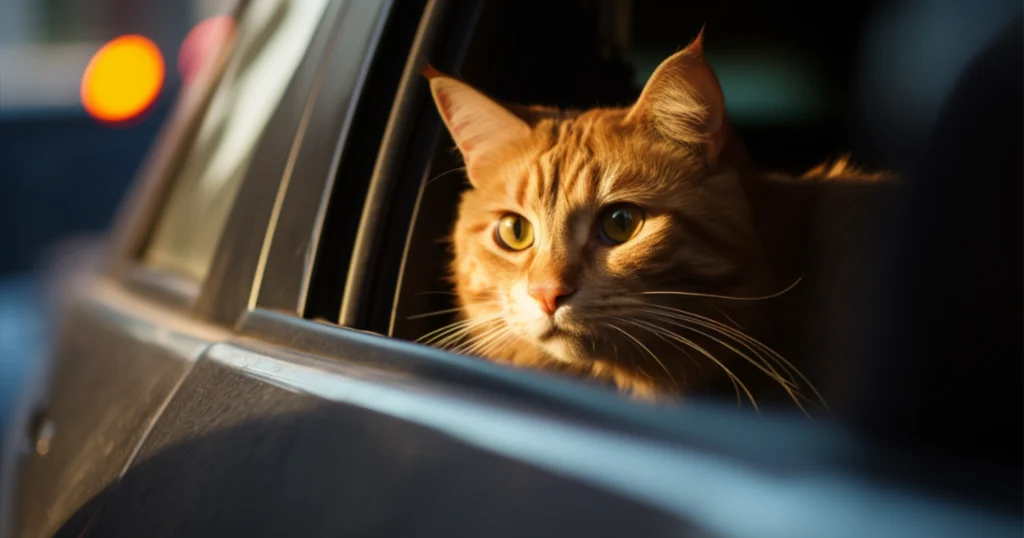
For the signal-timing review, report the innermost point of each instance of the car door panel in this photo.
(263, 442)
(132, 339)
(118, 361)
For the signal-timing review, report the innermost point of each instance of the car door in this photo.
(133, 327)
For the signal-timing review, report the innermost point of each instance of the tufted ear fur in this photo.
(480, 126)
(684, 101)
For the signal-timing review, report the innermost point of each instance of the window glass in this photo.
(271, 39)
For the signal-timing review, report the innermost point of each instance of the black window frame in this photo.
(352, 285)
(347, 127)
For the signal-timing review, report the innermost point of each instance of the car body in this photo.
(265, 398)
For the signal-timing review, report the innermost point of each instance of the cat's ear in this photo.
(684, 101)
(481, 127)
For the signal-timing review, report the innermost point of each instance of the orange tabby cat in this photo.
(618, 243)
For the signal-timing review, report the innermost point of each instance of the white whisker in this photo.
(645, 348)
(442, 174)
(436, 313)
(697, 347)
(748, 342)
(726, 297)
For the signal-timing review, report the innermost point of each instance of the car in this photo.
(236, 359)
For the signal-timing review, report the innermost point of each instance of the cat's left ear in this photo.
(684, 101)
(481, 128)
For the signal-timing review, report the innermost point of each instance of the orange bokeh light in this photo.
(122, 79)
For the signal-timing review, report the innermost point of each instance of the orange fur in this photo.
(657, 314)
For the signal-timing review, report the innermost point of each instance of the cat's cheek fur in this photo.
(478, 283)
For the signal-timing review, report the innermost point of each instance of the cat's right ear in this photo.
(683, 101)
(481, 128)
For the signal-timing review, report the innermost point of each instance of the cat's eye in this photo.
(620, 223)
(514, 232)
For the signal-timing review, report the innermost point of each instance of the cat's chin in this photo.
(564, 349)
(543, 330)
(557, 338)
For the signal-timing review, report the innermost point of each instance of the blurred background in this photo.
(70, 143)
(85, 85)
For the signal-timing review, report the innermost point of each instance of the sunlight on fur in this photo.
(618, 243)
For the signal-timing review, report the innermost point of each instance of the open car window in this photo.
(595, 56)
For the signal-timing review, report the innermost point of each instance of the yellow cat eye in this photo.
(514, 232)
(620, 223)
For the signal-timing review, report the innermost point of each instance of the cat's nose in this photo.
(550, 297)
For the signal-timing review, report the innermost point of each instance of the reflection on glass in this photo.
(272, 37)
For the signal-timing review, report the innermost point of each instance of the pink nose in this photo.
(550, 297)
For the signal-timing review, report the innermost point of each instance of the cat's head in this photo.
(575, 219)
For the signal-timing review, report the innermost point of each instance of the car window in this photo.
(600, 58)
(270, 42)
(406, 289)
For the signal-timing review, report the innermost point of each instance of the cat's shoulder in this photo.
(830, 197)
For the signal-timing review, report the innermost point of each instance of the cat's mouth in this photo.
(562, 343)
(562, 336)
(548, 329)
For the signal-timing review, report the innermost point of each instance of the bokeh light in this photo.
(122, 79)
(202, 44)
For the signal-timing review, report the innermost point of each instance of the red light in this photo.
(202, 43)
